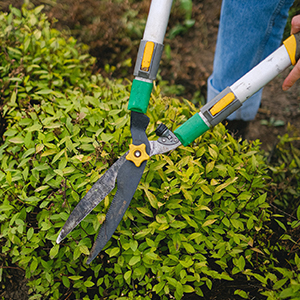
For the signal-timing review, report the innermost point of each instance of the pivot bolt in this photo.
(137, 154)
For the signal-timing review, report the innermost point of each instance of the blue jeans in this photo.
(249, 31)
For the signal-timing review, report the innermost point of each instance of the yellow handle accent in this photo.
(291, 46)
(147, 57)
(137, 154)
(222, 103)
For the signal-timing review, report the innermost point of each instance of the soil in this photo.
(189, 64)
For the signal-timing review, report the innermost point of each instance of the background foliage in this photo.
(213, 212)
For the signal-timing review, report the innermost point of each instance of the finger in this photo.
(292, 77)
(295, 24)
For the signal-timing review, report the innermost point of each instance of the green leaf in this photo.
(298, 212)
(35, 127)
(150, 243)
(145, 211)
(278, 284)
(134, 260)
(44, 92)
(179, 290)
(58, 155)
(54, 251)
(225, 184)
(84, 249)
(106, 137)
(6, 207)
(89, 283)
(187, 262)
(188, 289)
(241, 263)
(113, 252)
(28, 152)
(152, 199)
(194, 236)
(209, 283)
(33, 265)
(127, 275)
(213, 153)
(16, 12)
(209, 167)
(141, 234)
(13, 98)
(297, 261)
(188, 247)
(209, 222)
(158, 287)
(76, 253)
(206, 189)
(241, 293)
(17, 140)
(30, 232)
(42, 167)
(172, 281)
(237, 223)
(260, 278)
(281, 225)
(66, 281)
(261, 199)
(75, 277)
(176, 241)
(152, 256)
(133, 245)
(286, 293)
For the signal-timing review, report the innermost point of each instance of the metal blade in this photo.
(93, 197)
(128, 179)
(127, 182)
(167, 141)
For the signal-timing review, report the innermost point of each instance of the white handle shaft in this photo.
(157, 21)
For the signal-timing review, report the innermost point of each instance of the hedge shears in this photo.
(128, 169)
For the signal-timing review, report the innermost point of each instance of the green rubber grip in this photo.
(191, 129)
(140, 96)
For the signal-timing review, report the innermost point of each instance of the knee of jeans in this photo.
(211, 91)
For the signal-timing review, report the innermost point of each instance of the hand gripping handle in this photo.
(231, 98)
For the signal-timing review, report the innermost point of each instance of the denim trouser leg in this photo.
(249, 31)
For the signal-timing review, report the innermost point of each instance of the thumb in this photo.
(295, 24)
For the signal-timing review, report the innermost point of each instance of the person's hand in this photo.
(294, 75)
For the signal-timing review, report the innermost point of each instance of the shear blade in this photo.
(93, 197)
(128, 179)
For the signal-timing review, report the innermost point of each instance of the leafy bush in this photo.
(36, 59)
(284, 198)
(200, 214)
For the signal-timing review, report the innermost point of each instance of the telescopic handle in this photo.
(149, 55)
(231, 98)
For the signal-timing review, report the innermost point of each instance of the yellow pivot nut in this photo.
(147, 57)
(137, 154)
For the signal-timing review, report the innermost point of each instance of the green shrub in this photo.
(200, 214)
(284, 198)
(195, 206)
(36, 59)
